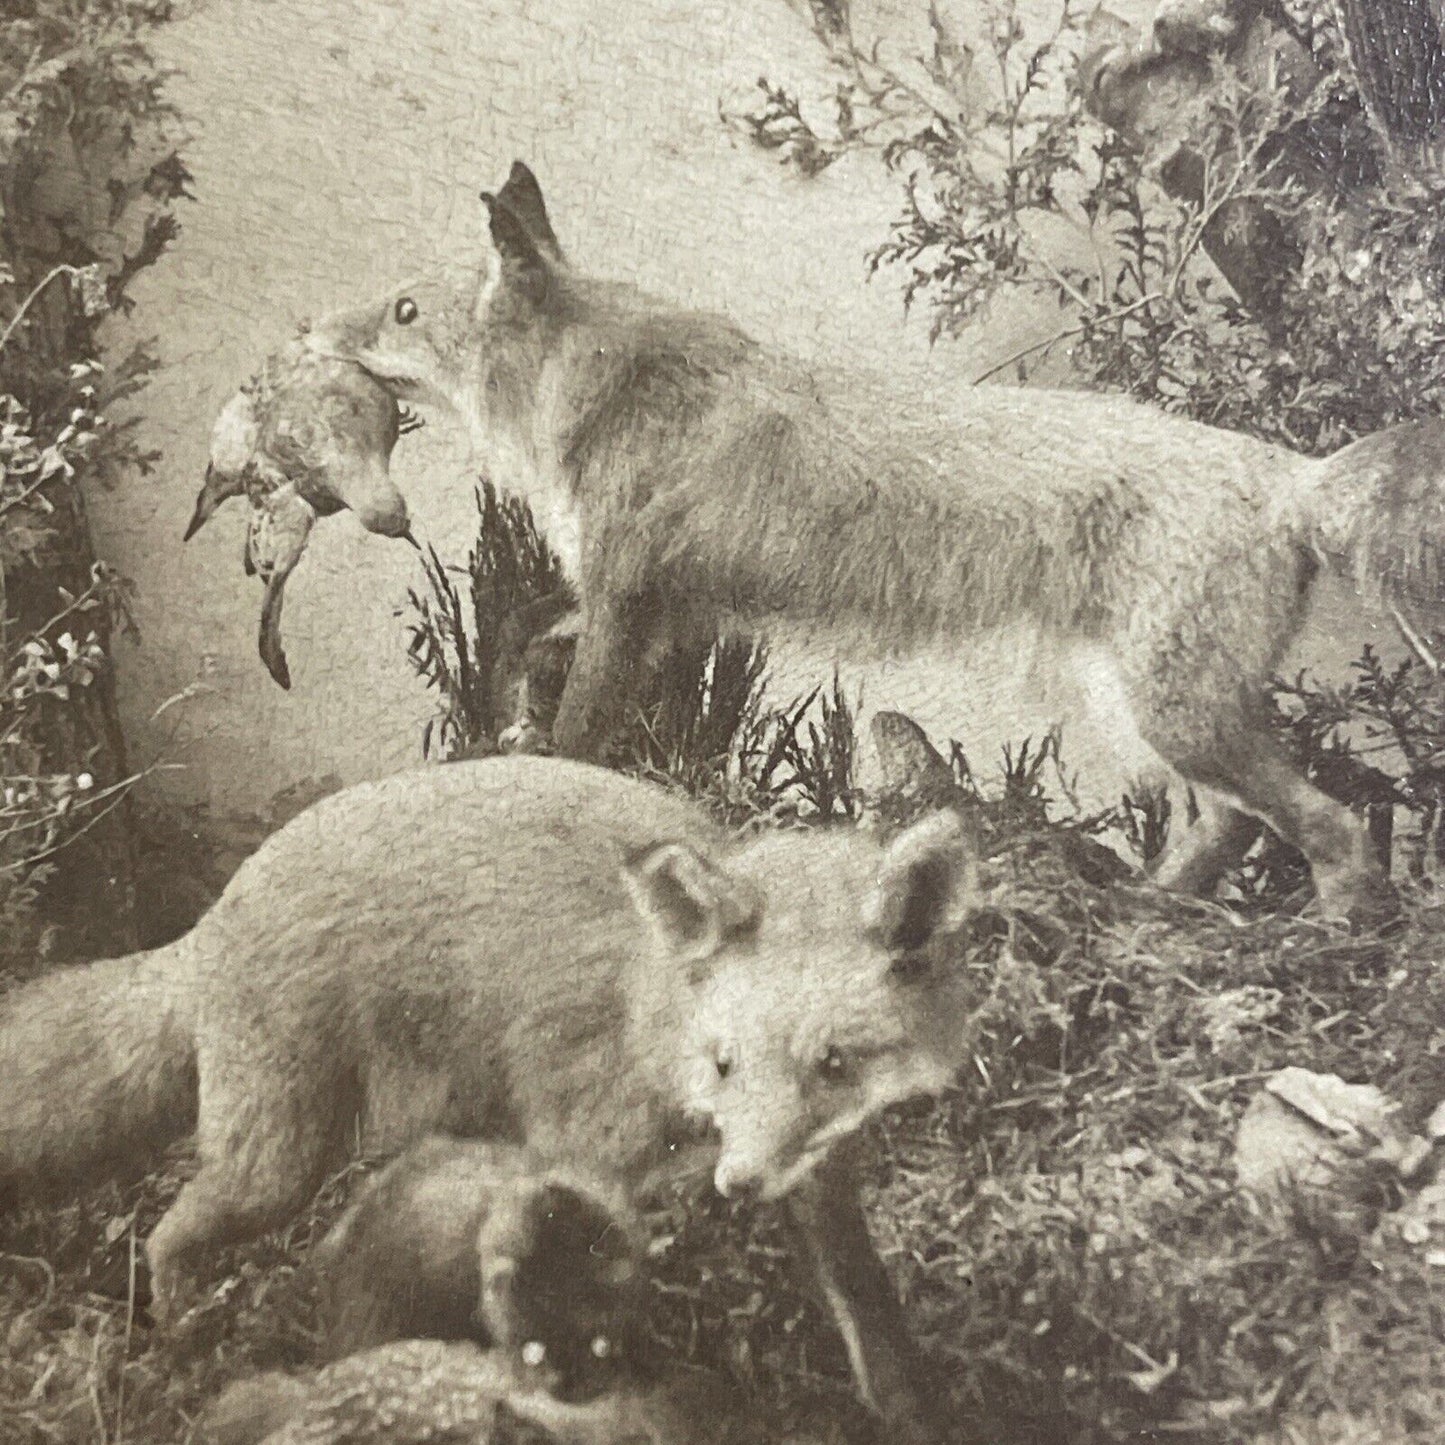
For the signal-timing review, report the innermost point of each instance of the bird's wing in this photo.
(234, 435)
(320, 420)
(281, 522)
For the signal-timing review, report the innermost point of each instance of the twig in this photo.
(1058, 277)
(24, 496)
(93, 1375)
(1064, 335)
(1416, 642)
(1090, 236)
(118, 791)
(38, 634)
(129, 1333)
(64, 269)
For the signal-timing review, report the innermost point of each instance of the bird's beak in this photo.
(203, 510)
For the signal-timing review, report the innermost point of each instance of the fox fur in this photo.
(709, 481)
(418, 1392)
(470, 1239)
(529, 950)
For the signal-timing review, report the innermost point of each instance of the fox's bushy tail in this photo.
(97, 1072)
(1377, 513)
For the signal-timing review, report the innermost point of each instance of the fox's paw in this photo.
(175, 1301)
(177, 1295)
(1362, 905)
(524, 737)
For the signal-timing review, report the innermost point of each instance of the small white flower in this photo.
(84, 782)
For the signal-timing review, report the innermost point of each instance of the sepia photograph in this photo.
(722, 722)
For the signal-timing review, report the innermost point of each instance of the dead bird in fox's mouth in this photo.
(307, 436)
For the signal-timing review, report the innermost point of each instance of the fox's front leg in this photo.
(615, 657)
(531, 643)
(844, 1270)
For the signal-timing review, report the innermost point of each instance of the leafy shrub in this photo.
(89, 174)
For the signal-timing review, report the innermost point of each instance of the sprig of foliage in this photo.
(454, 632)
(1009, 183)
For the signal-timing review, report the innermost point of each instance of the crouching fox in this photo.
(524, 949)
(472, 1239)
(699, 479)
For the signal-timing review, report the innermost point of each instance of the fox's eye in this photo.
(405, 311)
(601, 1348)
(534, 1353)
(724, 1062)
(833, 1064)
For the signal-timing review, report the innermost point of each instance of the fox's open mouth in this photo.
(402, 388)
(399, 384)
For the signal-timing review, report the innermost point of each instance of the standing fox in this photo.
(524, 949)
(710, 481)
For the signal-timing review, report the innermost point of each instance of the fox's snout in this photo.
(334, 338)
(763, 1180)
(736, 1182)
(360, 337)
(344, 335)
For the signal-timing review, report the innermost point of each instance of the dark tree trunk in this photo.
(1395, 53)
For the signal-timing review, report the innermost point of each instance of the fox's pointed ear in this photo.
(524, 268)
(523, 196)
(692, 905)
(927, 885)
